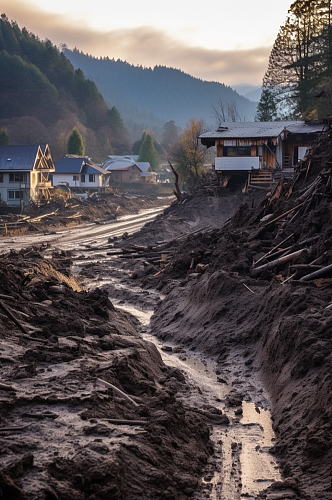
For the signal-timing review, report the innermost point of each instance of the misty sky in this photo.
(228, 41)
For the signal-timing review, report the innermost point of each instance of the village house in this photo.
(24, 174)
(79, 172)
(128, 169)
(261, 151)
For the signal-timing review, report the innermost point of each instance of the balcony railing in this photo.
(233, 163)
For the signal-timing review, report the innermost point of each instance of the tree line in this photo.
(42, 97)
(298, 79)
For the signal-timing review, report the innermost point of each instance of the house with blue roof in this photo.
(79, 172)
(24, 174)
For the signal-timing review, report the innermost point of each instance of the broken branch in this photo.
(117, 391)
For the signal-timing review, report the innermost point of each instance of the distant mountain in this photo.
(157, 95)
(254, 95)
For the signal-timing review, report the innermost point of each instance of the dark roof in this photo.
(18, 157)
(76, 166)
(246, 130)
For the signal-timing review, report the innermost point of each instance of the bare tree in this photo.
(226, 112)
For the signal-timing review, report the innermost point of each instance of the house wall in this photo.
(12, 191)
(133, 174)
(69, 178)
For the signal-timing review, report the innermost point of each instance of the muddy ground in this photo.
(227, 294)
(220, 291)
(64, 433)
(65, 210)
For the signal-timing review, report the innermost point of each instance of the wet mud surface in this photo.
(235, 336)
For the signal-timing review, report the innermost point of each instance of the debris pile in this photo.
(88, 410)
(61, 212)
(262, 286)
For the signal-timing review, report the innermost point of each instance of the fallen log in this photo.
(283, 215)
(274, 248)
(14, 320)
(6, 297)
(277, 262)
(117, 391)
(317, 274)
(117, 421)
(6, 387)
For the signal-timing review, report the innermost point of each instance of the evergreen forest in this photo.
(298, 80)
(43, 98)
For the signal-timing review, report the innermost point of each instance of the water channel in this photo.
(242, 464)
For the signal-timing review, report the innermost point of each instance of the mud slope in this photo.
(208, 205)
(63, 433)
(229, 294)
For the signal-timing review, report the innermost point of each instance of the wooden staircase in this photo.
(261, 178)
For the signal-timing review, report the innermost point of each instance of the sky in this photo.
(228, 41)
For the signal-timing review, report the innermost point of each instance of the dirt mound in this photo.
(88, 409)
(261, 285)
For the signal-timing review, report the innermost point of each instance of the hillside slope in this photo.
(159, 93)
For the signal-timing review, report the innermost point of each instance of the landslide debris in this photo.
(261, 285)
(64, 433)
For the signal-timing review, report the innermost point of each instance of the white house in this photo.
(79, 172)
(24, 173)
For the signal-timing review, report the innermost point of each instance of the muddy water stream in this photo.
(242, 464)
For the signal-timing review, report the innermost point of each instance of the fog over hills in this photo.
(156, 95)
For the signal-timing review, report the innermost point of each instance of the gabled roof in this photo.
(143, 165)
(77, 165)
(20, 157)
(120, 163)
(247, 130)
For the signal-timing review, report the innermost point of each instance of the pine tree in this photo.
(301, 57)
(149, 153)
(75, 144)
(266, 108)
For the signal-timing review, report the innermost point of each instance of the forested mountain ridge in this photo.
(158, 93)
(42, 97)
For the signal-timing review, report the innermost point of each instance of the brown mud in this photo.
(237, 293)
(63, 433)
(227, 295)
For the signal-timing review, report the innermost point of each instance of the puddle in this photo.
(242, 465)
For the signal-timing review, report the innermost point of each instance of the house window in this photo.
(18, 177)
(1, 177)
(15, 195)
(83, 178)
(91, 177)
(237, 151)
(75, 178)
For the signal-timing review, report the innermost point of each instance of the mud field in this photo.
(191, 360)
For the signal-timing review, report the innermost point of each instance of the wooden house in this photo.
(126, 169)
(261, 150)
(24, 174)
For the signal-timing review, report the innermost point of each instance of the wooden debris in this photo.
(12, 317)
(126, 422)
(277, 262)
(6, 387)
(283, 215)
(274, 248)
(117, 391)
(317, 274)
(248, 288)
